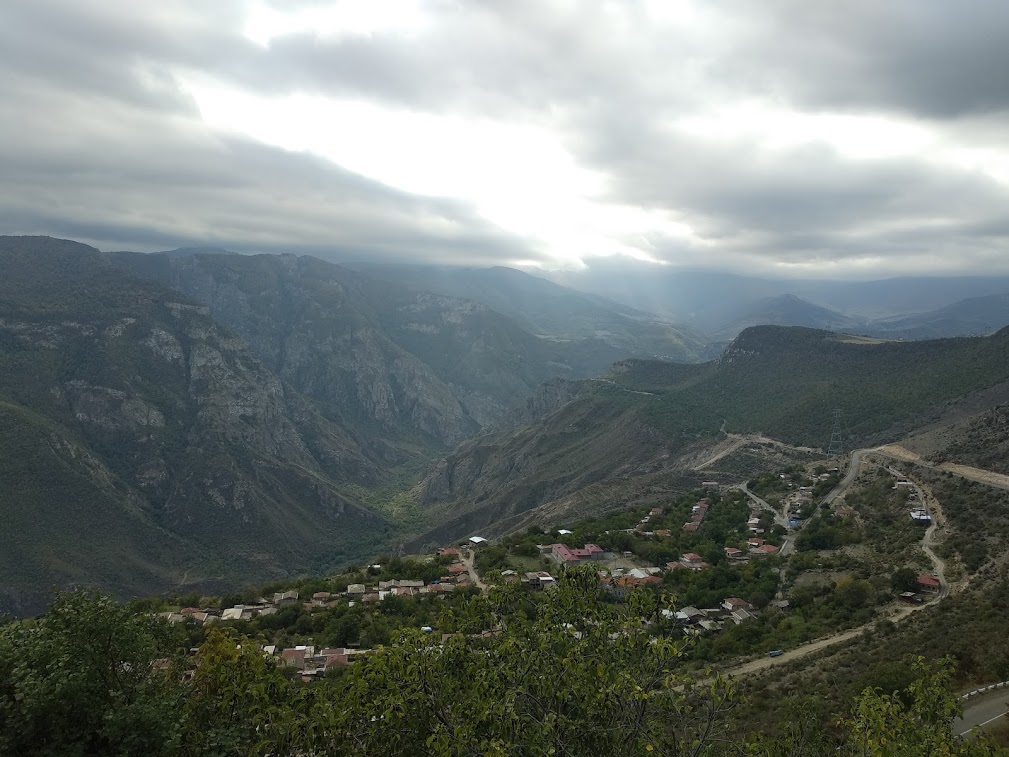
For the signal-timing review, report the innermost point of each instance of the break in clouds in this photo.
(784, 137)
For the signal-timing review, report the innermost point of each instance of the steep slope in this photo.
(646, 416)
(549, 309)
(133, 421)
(303, 318)
(411, 362)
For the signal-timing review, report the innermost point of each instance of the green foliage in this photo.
(81, 680)
(560, 673)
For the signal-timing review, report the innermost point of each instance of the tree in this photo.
(904, 579)
(83, 680)
(574, 676)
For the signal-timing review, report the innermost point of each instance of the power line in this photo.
(836, 447)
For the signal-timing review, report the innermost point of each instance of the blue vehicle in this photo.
(775, 653)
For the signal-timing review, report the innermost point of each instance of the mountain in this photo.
(373, 351)
(970, 317)
(548, 309)
(203, 419)
(706, 299)
(144, 445)
(636, 429)
(783, 310)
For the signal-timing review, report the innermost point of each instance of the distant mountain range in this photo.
(717, 303)
(550, 310)
(203, 419)
(199, 419)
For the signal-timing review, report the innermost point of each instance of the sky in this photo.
(781, 137)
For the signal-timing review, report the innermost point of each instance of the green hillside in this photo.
(784, 382)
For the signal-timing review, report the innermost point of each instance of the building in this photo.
(736, 603)
(735, 554)
(477, 541)
(693, 561)
(928, 583)
(565, 555)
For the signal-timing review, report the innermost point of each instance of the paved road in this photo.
(849, 477)
(981, 711)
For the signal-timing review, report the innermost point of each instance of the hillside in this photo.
(145, 446)
(376, 352)
(646, 418)
(548, 309)
(969, 317)
(227, 418)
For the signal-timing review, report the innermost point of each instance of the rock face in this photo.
(209, 420)
(145, 445)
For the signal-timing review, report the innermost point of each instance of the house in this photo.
(710, 625)
(656, 511)
(356, 589)
(477, 541)
(735, 603)
(448, 552)
(284, 597)
(663, 532)
(754, 542)
(741, 615)
(688, 614)
(456, 569)
(692, 561)
(238, 612)
(172, 617)
(294, 658)
(564, 555)
(564, 532)
(690, 527)
(928, 583)
(735, 554)
(766, 549)
(322, 596)
(538, 580)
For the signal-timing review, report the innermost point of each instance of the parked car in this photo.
(775, 653)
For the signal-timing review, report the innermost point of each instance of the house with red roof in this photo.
(565, 555)
(928, 583)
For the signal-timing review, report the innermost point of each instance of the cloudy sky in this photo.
(785, 137)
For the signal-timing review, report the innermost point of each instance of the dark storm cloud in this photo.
(931, 58)
(99, 139)
(99, 143)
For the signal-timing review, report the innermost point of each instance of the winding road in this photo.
(900, 614)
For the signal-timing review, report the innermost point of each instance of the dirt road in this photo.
(896, 616)
(467, 561)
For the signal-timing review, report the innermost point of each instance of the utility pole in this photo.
(836, 447)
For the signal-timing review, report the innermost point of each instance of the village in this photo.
(728, 533)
